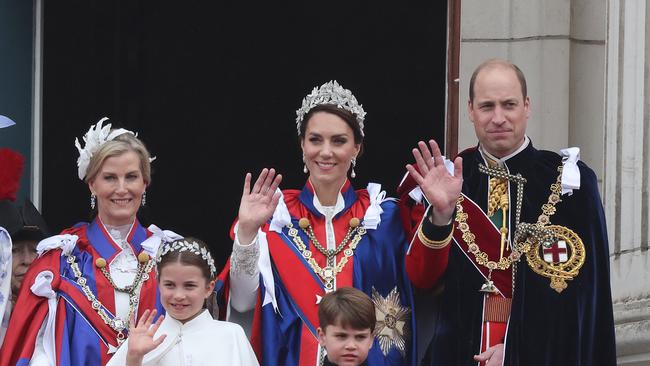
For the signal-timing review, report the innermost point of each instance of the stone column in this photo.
(533, 34)
(627, 158)
(587, 68)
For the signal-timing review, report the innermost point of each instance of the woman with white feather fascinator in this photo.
(78, 296)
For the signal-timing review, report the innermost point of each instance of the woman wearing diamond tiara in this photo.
(292, 247)
(88, 281)
(188, 335)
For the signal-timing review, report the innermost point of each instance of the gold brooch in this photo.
(559, 260)
(393, 328)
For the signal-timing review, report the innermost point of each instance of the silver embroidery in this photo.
(244, 259)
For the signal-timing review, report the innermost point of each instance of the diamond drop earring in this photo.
(304, 166)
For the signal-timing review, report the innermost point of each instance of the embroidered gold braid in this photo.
(498, 190)
(434, 244)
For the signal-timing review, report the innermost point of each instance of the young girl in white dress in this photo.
(187, 335)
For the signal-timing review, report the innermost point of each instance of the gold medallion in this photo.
(559, 260)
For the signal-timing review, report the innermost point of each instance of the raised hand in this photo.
(493, 356)
(439, 187)
(141, 336)
(257, 204)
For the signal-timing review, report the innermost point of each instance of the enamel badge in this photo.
(559, 259)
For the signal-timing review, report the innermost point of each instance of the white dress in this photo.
(201, 341)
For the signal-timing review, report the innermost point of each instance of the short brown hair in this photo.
(348, 307)
(497, 62)
(119, 145)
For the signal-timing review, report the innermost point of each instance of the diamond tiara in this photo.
(331, 93)
(193, 247)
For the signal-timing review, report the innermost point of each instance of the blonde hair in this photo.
(120, 145)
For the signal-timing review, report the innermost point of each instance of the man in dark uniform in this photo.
(527, 274)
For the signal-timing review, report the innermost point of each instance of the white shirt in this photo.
(201, 341)
(123, 268)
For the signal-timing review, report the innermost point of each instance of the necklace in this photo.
(542, 239)
(470, 238)
(117, 324)
(329, 272)
(526, 233)
(482, 257)
(143, 258)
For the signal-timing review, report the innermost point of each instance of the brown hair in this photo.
(344, 114)
(348, 307)
(119, 145)
(186, 258)
(496, 63)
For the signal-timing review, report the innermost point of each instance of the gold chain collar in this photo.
(524, 231)
(328, 274)
(470, 238)
(472, 247)
(542, 234)
(142, 259)
(117, 324)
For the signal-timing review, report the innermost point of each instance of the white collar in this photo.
(501, 161)
(338, 207)
(340, 204)
(173, 328)
(119, 234)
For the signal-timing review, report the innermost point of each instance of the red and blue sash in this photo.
(289, 337)
(82, 337)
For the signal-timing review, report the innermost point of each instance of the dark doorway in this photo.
(212, 89)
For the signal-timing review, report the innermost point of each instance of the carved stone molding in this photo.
(632, 320)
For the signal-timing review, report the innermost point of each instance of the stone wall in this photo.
(586, 65)
(627, 161)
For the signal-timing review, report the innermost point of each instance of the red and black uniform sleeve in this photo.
(424, 265)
